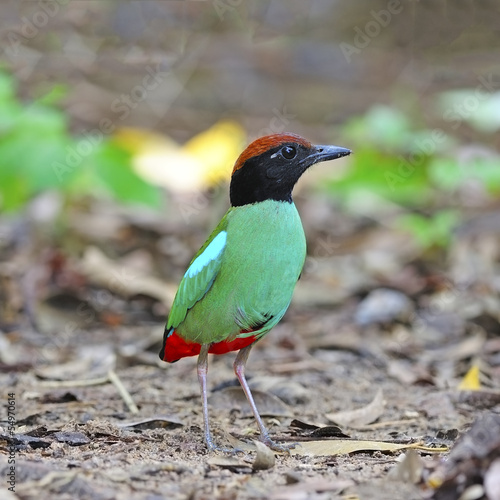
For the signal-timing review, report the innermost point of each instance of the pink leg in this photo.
(202, 378)
(239, 370)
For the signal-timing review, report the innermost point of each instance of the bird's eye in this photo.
(289, 152)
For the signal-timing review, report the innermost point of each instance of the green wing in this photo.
(255, 323)
(200, 275)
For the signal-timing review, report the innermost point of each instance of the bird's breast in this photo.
(266, 233)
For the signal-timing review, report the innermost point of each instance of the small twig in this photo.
(123, 391)
(75, 383)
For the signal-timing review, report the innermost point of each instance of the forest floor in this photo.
(366, 372)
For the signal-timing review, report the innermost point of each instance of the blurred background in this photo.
(119, 125)
(120, 122)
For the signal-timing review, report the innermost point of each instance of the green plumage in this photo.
(250, 283)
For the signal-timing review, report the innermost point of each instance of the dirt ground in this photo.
(374, 347)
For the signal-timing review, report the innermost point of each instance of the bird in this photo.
(240, 283)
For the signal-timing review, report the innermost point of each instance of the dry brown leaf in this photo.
(227, 462)
(361, 416)
(168, 422)
(105, 272)
(469, 347)
(484, 398)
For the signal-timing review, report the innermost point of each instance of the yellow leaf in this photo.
(345, 446)
(217, 149)
(202, 162)
(160, 160)
(471, 382)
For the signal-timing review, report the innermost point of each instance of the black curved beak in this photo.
(325, 153)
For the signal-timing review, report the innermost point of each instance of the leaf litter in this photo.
(393, 386)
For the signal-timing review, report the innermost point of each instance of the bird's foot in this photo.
(280, 447)
(222, 449)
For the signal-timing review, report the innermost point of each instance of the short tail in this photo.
(166, 334)
(174, 347)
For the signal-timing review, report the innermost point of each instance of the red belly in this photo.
(176, 347)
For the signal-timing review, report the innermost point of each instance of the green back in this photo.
(249, 284)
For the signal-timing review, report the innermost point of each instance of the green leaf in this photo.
(392, 177)
(14, 190)
(487, 170)
(54, 95)
(7, 87)
(113, 169)
(449, 174)
(446, 173)
(430, 231)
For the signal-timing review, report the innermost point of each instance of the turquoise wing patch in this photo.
(199, 277)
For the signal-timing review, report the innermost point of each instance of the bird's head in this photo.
(271, 165)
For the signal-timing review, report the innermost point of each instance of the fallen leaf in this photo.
(469, 347)
(25, 439)
(153, 423)
(482, 399)
(317, 431)
(231, 463)
(361, 416)
(409, 373)
(72, 438)
(471, 382)
(110, 274)
(58, 397)
(346, 446)
(409, 469)
(217, 148)
(202, 162)
(265, 457)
